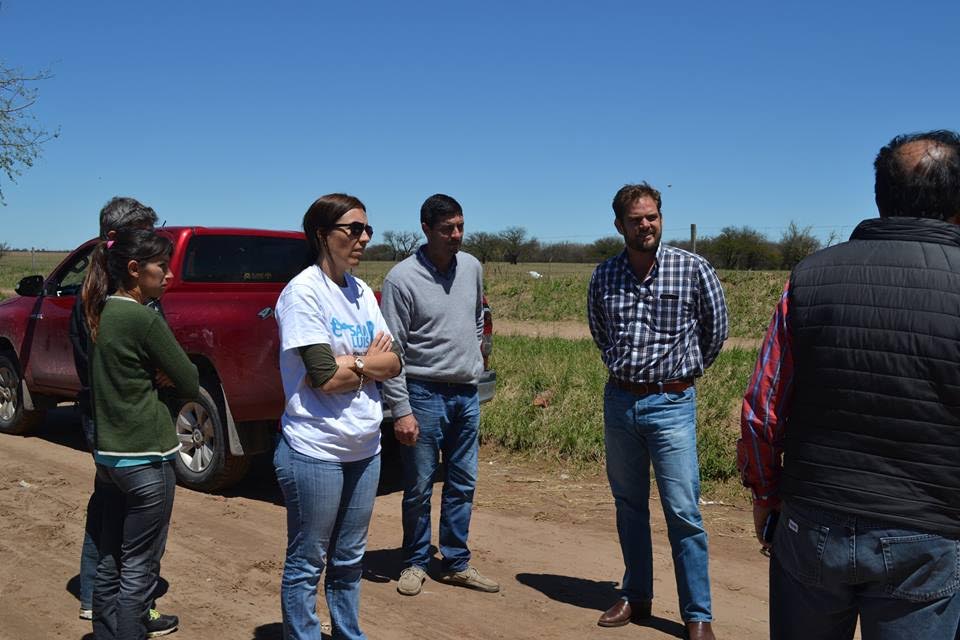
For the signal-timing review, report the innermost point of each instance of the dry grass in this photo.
(15, 265)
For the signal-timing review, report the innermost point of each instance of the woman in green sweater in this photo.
(135, 439)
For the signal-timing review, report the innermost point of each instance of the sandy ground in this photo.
(549, 537)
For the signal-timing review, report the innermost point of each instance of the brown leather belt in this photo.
(646, 388)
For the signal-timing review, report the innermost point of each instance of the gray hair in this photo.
(121, 213)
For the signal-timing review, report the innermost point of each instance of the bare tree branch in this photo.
(21, 136)
(401, 243)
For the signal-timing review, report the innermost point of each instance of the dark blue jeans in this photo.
(827, 568)
(449, 419)
(137, 503)
(89, 556)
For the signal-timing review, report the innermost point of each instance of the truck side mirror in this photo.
(31, 286)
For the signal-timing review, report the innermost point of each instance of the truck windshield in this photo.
(243, 259)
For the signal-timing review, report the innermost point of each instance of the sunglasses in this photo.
(355, 229)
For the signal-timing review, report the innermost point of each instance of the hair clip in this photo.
(110, 244)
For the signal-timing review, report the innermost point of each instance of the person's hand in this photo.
(163, 380)
(760, 514)
(382, 343)
(406, 429)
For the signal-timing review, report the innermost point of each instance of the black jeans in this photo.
(137, 503)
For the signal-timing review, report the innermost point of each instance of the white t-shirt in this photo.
(313, 309)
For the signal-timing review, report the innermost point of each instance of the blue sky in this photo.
(530, 113)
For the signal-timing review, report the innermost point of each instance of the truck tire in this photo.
(204, 462)
(14, 418)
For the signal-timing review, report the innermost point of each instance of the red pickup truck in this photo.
(219, 305)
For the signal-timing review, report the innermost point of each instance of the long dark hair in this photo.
(321, 216)
(108, 268)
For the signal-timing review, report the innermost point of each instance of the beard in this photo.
(644, 243)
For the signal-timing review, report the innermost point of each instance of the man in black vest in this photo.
(851, 422)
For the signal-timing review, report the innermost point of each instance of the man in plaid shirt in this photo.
(658, 315)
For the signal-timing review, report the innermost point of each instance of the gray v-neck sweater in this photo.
(437, 320)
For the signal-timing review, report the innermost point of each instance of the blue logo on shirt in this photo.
(360, 335)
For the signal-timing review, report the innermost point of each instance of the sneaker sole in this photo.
(157, 634)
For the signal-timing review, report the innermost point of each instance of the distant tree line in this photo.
(740, 248)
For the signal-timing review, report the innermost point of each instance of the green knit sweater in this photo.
(133, 343)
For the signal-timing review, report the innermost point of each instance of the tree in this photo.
(796, 244)
(378, 252)
(740, 248)
(561, 252)
(515, 244)
(402, 243)
(482, 245)
(21, 136)
(606, 247)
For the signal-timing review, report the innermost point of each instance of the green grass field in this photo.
(570, 373)
(561, 293)
(14, 265)
(567, 375)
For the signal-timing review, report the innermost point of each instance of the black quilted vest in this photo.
(874, 427)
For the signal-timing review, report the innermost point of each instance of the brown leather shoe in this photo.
(622, 613)
(699, 631)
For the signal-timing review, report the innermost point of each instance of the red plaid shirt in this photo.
(766, 405)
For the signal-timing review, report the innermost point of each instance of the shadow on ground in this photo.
(385, 565)
(590, 594)
(62, 427)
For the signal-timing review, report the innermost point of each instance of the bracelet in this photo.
(360, 386)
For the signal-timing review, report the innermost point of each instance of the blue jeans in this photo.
(89, 556)
(137, 503)
(827, 568)
(329, 505)
(449, 419)
(658, 428)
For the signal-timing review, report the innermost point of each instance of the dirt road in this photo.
(548, 537)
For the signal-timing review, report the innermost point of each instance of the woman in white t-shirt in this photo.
(334, 347)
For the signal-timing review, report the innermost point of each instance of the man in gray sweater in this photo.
(433, 304)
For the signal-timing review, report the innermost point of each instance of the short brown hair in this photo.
(630, 193)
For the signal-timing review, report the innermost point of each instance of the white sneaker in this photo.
(472, 579)
(86, 614)
(411, 581)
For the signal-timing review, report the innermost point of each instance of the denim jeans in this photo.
(329, 505)
(827, 568)
(449, 419)
(658, 428)
(89, 556)
(137, 503)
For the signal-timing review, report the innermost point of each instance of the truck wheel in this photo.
(204, 462)
(13, 417)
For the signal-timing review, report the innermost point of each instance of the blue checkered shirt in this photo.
(669, 326)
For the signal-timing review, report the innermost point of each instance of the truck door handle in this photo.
(265, 313)
(36, 316)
